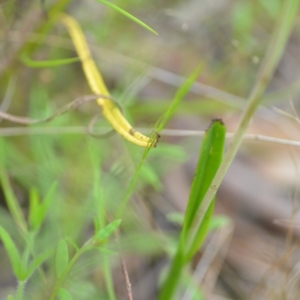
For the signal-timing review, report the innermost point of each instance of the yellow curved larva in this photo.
(110, 111)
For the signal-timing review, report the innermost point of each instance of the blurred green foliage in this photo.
(60, 191)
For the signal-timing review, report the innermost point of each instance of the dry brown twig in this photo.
(124, 268)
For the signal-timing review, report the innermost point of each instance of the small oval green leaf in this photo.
(128, 15)
(61, 258)
(107, 231)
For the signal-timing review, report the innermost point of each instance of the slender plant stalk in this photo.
(28, 250)
(131, 186)
(101, 213)
(20, 290)
(108, 278)
(272, 57)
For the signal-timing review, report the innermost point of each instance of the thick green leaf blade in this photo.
(61, 258)
(174, 274)
(128, 15)
(209, 161)
(107, 231)
(63, 294)
(210, 157)
(201, 232)
(13, 254)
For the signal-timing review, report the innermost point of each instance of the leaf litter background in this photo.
(255, 256)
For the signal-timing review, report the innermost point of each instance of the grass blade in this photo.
(26, 60)
(180, 94)
(209, 161)
(128, 15)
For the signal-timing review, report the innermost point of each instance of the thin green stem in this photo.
(108, 279)
(175, 272)
(131, 186)
(28, 250)
(101, 213)
(272, 57)
(20, 290)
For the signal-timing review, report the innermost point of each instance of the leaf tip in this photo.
(217, 120)
(214, 121)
